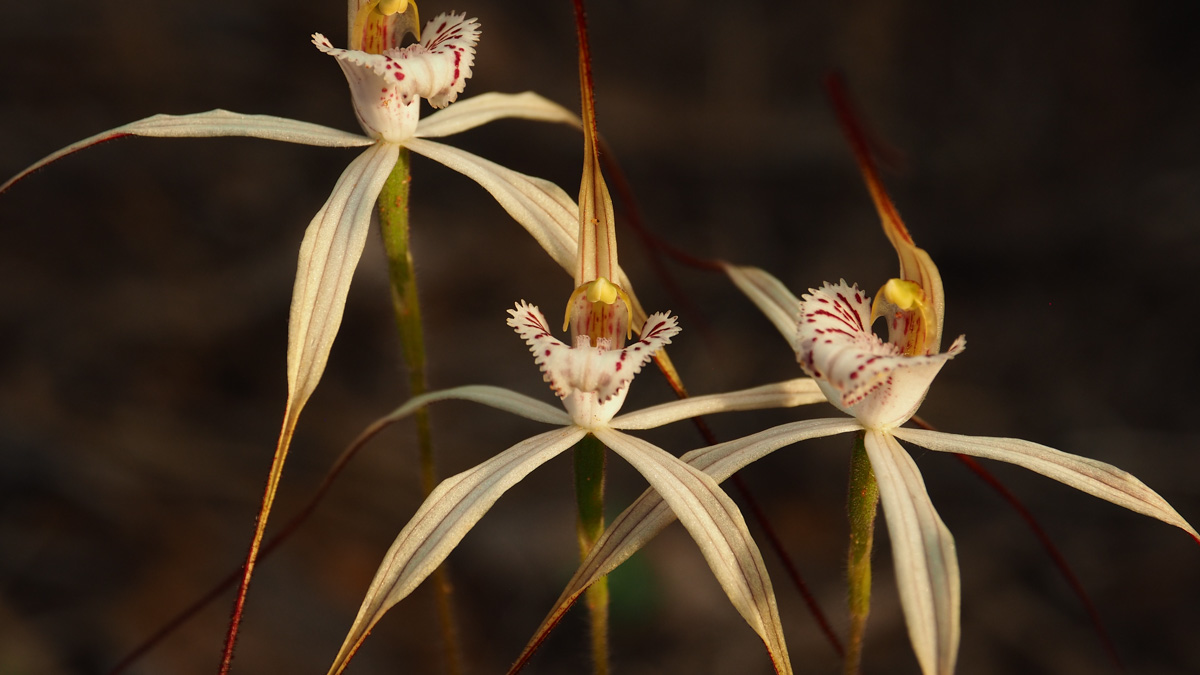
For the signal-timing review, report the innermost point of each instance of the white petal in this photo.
(862, 375)
(479, 110)
(541, 207)
(718, 528)
(924, 556)
(494, 397)
(329, 253)
(386, 100)
(210, 124)
(788, 394)
(591, 381)
(445, 517)
(649, 514)
(446, 57)
(770, 295)
(1091, 476)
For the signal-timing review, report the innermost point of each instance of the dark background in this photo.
(1047, 162)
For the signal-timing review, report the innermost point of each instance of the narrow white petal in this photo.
(770, 295)
(787, 394)
(445, 517)
(494, 397)
(649, 514)
(1091, 476)
(332, 245)
(923, 553)
(210, 124)
(541, 207)
(718, 528)
(479, 110)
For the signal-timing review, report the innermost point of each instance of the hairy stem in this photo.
(589, 495)
(393, 226)
(862, 501)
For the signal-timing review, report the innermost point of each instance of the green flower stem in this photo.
(589, 495)
(393, 226)
(862, 501)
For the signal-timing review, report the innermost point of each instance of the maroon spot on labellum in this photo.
(617, 367)
(858, 298)
(854, 376)
(441, 28)
(547, 352)
(399, 75)
(823, 301)
(828, 341)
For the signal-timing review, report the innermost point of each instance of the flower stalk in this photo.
(394, 229)
(590, 458)
(862, 504)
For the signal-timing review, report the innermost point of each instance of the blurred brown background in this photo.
(1049, 166)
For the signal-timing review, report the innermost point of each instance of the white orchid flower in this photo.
(591, 376)
(592, 381)
(386, 87)
(880, 385)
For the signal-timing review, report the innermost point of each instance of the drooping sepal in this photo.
(861, 374)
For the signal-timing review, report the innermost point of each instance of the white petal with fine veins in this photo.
(591, 381)
(861, 374)
(332, 245)
(387, 87)
(923, 549)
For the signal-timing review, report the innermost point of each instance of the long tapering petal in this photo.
(541, 207)
(649, 514)
(788, 394)
(924, 556)
(718, 528)
(1088, 475)
(332, 245)
(770, 295)
(210, 124)
(479, 110)
(495, 397)
(445, 517)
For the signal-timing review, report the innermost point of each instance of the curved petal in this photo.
(332, 245)
(861, 374)
(494, 397)
(445, 517)
(207, 125)
(770, 295)
(541, 207)
(479, 110)
(788, 394)
(649, 514)
(1091, 476)
(719, 530)
(584, 368)
(924, 556)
